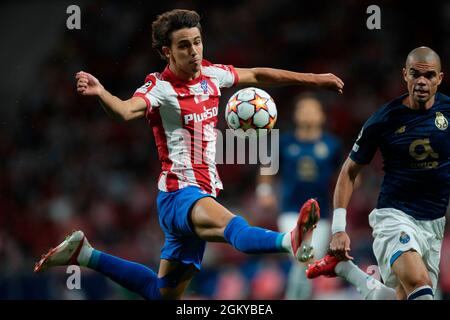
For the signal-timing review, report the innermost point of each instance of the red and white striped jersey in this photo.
(183, 116)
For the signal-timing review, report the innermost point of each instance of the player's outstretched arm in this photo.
(277, 77)
(88, 85)
(340, 241)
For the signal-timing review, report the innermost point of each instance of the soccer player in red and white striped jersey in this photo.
(181, 106)
(178, 109)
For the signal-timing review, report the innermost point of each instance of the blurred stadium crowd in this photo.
(65, 165)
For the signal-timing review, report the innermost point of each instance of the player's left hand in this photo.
(340, 246)
(330, 81)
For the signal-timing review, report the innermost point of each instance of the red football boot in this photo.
(301, 235)
(66, 253)
(323, 267)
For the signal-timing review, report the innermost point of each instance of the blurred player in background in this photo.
(309, 160)
(189, 215)
(408, 224)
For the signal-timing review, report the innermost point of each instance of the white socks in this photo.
(85, 254)
(367, 286)
(286, 242)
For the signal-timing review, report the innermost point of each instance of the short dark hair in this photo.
(169, 22)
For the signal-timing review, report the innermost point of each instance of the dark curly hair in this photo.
(169, 22)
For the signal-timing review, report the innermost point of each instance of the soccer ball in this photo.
(251, 108)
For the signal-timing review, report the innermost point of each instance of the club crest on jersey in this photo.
(321, 150)
(404, 237)
(204, 85)
(440, 121)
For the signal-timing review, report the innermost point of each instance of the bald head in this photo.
(422, 74)
(423, 55)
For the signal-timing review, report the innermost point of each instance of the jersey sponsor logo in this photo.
(440, 121)
(205, 115)
(404, 237)
(420, 150)
(425, 165)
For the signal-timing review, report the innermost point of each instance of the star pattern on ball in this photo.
(246, 124)
(232, 104)
(271, 122)
(259, 102)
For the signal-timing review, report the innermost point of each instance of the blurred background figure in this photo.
(310, 158)
(64, 165)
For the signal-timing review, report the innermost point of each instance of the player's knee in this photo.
(417, 280)
(172, 285)
(209, 220)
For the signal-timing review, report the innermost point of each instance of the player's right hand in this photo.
(340, 246)
(87, 84)
(330, 81)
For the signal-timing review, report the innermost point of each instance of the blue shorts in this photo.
(181, 243)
